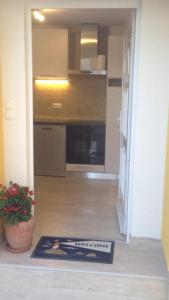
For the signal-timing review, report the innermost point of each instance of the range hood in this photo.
(90, 61)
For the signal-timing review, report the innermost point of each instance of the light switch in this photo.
(57, 105)
(10, 104)
(10, 115)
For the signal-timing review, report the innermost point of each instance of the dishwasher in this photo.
(50, 150)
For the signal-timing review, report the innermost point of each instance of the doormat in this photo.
(74, 249)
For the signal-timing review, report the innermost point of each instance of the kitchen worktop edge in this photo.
(54, 121)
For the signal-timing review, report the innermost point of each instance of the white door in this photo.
(125, 122)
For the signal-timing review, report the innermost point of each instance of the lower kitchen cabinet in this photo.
(50, 150)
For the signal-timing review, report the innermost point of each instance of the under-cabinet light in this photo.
(38, 16)
(88, 41)
(52, 82)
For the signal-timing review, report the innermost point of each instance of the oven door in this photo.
(86, 144)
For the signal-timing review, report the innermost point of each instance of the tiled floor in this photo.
(138, 271)
(76, 207)
(36, 284)
(142, 258)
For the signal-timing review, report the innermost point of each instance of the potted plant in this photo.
(16, 203)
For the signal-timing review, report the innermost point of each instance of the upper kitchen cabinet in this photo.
(74, 48)
(50, 52)
(115, 56)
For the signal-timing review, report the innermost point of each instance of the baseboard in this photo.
(89, 171)
(93, 175)
(85, 168)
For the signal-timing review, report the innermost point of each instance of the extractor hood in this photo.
(90, 61)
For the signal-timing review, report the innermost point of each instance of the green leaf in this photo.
(25, 218)
(2, 203)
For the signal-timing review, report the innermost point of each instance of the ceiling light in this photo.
(38, 16)
(51, 10)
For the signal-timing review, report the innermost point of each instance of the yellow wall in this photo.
(165, 226)
(1, 142)
(1, 151)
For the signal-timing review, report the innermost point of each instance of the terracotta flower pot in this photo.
(19, 236)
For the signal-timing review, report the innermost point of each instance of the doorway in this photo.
(106, 189)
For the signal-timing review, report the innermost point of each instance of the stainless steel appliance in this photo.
(90, 60)
(50, 150)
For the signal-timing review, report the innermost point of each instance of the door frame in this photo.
(113, 4)
(123, 215)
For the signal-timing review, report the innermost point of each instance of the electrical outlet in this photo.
(57, 105)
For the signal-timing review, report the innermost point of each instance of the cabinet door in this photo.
(115, 56)
(49, 150)
(50, 52)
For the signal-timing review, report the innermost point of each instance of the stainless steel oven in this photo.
(85, 144)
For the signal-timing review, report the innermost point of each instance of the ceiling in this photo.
(104, 17)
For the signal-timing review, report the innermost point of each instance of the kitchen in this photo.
(77, 79)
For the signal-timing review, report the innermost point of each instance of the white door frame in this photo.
(123, 216)
(123, 4)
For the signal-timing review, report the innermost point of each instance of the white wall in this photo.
(151, 104)
(151, 119)
(12, 56)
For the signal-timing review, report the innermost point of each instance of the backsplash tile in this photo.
(85, 98)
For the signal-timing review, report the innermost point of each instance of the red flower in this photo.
(12, 191)
(12, 208)
(16, 202)
(15, 185)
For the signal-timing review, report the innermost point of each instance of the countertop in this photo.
(54, 121)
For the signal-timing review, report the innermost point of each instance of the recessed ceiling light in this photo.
(51, 10)
(38, 16)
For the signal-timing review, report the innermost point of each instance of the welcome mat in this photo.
(74, 249)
